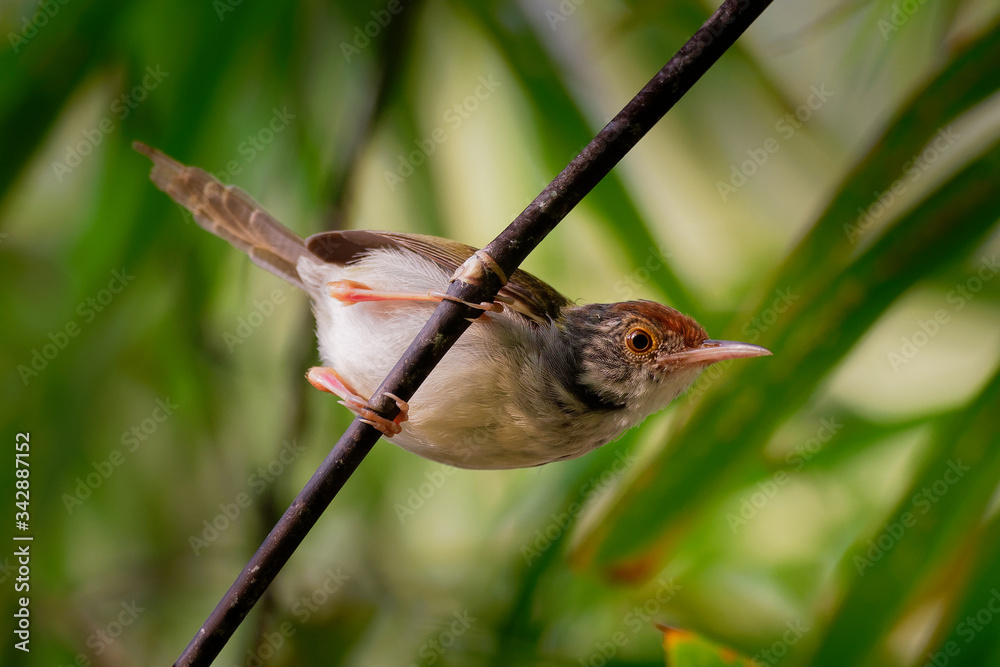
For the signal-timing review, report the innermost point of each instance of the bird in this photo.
(536, 378)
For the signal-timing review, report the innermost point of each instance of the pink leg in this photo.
(352, 292)
(326, 379)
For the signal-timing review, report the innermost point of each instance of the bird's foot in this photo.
(351, 292)
(326, 379)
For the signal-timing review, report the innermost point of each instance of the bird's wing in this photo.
(531, 297)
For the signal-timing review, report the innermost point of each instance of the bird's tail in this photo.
(229, 213)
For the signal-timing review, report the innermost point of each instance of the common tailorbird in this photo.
(535, 379)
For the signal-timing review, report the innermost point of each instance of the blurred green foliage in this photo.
(828, 190)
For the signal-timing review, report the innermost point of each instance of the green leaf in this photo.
(927, 538)
(833, 297)
(688, 649)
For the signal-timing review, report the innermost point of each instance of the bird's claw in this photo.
(485, 306)
(326, 379)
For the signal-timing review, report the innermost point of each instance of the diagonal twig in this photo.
(389, 68)
(449, 321)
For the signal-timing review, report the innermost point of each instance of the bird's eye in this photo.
(639, 341)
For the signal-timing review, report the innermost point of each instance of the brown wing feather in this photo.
(233, 215)
(531, 297)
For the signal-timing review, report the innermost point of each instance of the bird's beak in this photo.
(712, 351)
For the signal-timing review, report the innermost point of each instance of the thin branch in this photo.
(390, 65)
(449, 321)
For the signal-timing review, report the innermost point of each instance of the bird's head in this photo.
(641, 354)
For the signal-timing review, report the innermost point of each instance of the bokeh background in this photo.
(830, 190)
